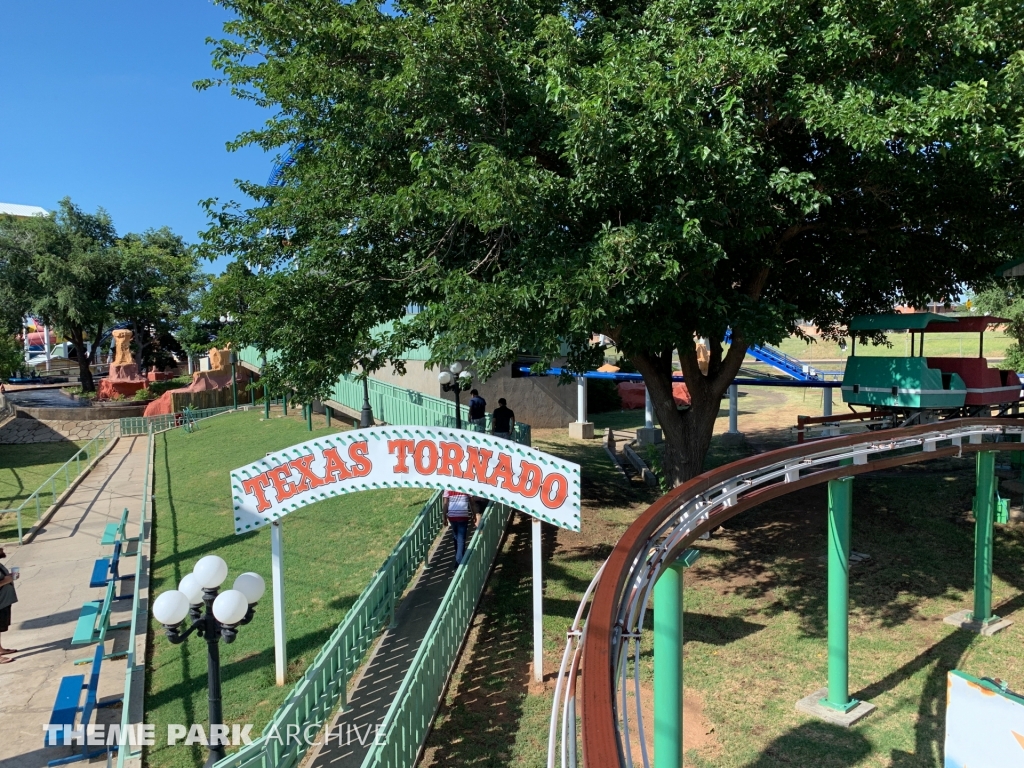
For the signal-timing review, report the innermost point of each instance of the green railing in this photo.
(393, 404)
(132, 669)
(315, 696)
(61, 480)
(412, 711)
(141, 425)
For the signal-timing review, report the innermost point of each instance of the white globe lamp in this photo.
(455, 367)
(189, 585)
(210, 571)
(444, 377)
(170, 608)
(251, 585)
(230, 607)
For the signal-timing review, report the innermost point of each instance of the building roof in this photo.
(13, 209)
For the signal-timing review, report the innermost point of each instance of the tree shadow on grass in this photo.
(802, 746)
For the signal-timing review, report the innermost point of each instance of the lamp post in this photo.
(223, 614)
(366, 415)
(455, 380)
(234, 380)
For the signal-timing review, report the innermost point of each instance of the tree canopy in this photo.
(534, 172)
(73, 271)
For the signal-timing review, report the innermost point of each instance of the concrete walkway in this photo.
(54, 584)
(352, 731)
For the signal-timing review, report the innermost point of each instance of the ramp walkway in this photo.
(354, 729)
(54, 584)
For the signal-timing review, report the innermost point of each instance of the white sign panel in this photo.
(984, 724)
(534, 482)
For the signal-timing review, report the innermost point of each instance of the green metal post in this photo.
(983, 536)
(840, 513)
(668, 663)
(234, 383)
(266, 402)
(327, 413)
(284, 403)
(309, 417)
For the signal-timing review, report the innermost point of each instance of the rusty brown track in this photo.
(601, 748)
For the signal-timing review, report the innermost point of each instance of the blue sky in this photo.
(96, 102)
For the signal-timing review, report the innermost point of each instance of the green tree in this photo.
(536, 171)
(17, 289)
(1004, 298)
(75, 271)
(157, 277)
(12, 356)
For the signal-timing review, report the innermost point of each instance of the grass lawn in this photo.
(331, 550)
(935, 345)
(755, 618)
(22, 469)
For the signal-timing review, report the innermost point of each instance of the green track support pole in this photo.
(327, 414)
(309, 417)
(284, 403)
(840, 514)
(266, 403)
(234, 383)
(668, 663)
(984, 513)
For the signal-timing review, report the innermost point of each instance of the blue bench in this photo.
(70, 713)
(105, 570)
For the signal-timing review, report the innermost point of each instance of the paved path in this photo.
(352, 732)
(55, 570)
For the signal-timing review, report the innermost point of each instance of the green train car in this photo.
(918, 383)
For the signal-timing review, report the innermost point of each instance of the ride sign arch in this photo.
(543, 486)
(539, 484)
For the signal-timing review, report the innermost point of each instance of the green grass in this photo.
(755, 622)
(22, 469)
(935, 345)
(331, 550)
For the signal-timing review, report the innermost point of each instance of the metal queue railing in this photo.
(46, 495)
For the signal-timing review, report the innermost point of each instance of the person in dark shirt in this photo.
(8, 597)
(477, 411)
(503, 420)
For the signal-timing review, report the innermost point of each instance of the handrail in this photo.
(108, 433)
(313, 698)
(140, 425)
(130, 666)
(674, 522)
(408, 719)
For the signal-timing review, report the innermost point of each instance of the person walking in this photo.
(477, 411)
(457, 508)
(503, 420)
(8, 597)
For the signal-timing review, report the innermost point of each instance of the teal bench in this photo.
(94, 622)
(69, 713)
(115, 532)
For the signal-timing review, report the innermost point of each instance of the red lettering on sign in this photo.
(554, 491)
(257, 486)
(357, 453)
(308, 479)
(403, 448)
(503, 472)
(451, 459)
(425, 457)
(335, 468)
(530, 476)
(281, 478)
(476, 464)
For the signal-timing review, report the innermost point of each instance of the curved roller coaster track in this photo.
(602, 651)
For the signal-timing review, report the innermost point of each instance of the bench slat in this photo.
(65, 708)
(85, 628)
(100, 569)
(109, 534)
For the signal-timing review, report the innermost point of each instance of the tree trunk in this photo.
(84, 371)
(688, 433)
